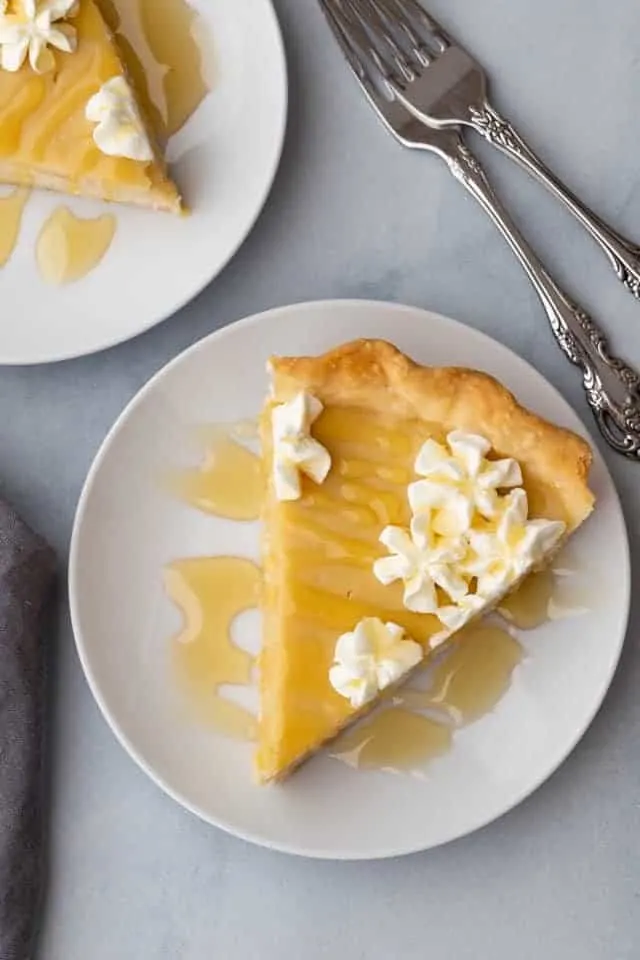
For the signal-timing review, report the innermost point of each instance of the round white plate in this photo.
(127, 528)
(224, 159)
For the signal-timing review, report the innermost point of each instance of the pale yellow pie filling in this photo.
(319, 550)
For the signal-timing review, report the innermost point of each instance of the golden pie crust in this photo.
(318, 552)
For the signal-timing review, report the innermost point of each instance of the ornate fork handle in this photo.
(623, 255)
(612, 386)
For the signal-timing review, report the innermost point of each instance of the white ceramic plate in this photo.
(224, 159)
(127, 528)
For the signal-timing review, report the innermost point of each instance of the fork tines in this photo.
(414, 20)
(389, 33)
(348, 31)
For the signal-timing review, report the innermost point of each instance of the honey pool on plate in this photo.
(211, 592)
(463, 682)
(69, 247)
(466, 681)
(229, 482)
(162, 44)
(11, 208)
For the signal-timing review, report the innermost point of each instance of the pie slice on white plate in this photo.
(403, 502)
(70, 119)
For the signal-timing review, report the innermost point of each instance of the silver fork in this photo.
(612, 386)
(443, 85)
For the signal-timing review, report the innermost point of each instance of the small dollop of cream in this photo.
(29, 32)
(423, 564)
(372, 657)
(500, 556)
(119, 131)
(459, 482)
(294, 449)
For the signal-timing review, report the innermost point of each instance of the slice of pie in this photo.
(69, 117)
(403, 502)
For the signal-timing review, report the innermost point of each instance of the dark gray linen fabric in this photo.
(27, 566)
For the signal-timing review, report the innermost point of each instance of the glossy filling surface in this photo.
(318, 556)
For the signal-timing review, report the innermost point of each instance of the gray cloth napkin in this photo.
(27, 567)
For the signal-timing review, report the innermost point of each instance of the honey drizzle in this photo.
(171, 33)
(68, 248)
(548, 595)
(229, 484)
(161, 43)
(464, 683)
(394, 739)
(211, 592)
(528, 607)
(470, 677)
(11, 210)
(467, 682)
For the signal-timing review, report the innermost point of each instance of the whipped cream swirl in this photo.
(294, 449)
(120, 130)
(31, 29)
(470, 539)
(460, 481)
(499, 557)
(372, 657)
(423, 562)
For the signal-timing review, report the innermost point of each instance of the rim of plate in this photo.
(107, 343)
(175, 794)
